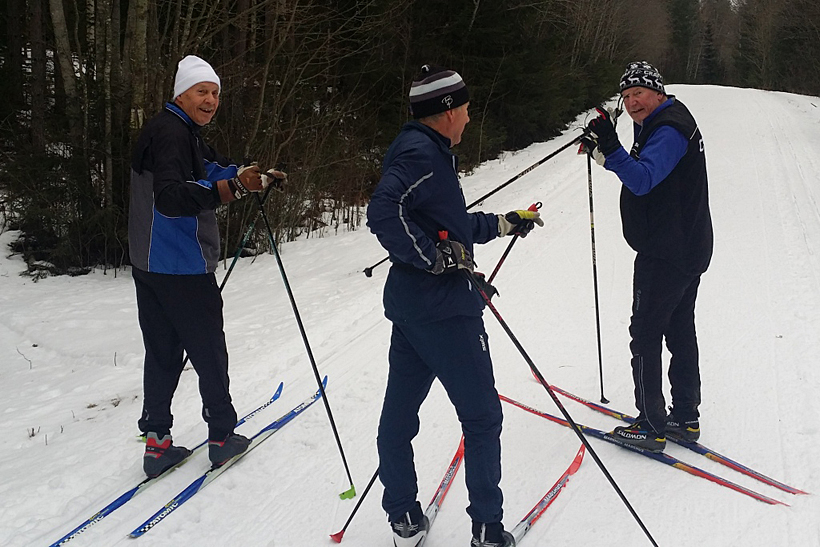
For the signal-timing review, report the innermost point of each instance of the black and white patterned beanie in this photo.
(436, 90)
(642, 74)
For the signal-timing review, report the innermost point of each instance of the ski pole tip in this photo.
(337, 537)
(368, 272)
(348, 494)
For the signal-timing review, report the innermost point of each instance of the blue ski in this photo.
(127, 496)
(214, 472)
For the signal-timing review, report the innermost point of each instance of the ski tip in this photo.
(348, 494)
(579, 458)
(324, 381)
(337, 537)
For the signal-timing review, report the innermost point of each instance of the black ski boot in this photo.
(491, 535)
(642, 435)
(161, 454)
(686, 430)
(411, 528)
(220, 452)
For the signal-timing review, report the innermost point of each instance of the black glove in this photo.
(451, 256)
(603, 132)
(484, 285)
(518, 223)
(589, 145)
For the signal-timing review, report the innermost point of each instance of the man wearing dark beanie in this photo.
(666, 220)
(438, 331)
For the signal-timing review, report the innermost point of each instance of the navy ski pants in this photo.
(176, 313)
(456, 351)
(664, 306)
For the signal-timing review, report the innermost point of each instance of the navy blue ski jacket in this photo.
(172, 226)
(418, 195)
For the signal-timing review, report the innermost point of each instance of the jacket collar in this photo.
(663, 106)
(434, 135)
(174, 109)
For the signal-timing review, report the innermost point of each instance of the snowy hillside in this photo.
(71, 364)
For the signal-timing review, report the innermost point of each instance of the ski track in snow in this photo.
(72, 357)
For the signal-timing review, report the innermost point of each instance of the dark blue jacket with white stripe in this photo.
(418, 195)
(172, 226)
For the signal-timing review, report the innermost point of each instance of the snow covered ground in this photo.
(71, 356)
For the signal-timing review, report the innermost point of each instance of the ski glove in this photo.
(590, 146)
(451, 256)
(275, 177)
(484, 285)
(518, 223)
(247, 179)
(602, 130)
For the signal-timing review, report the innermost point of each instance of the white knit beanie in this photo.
(191, 71)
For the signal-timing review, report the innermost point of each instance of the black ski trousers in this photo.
(176, 313)
(663, 306)
(456, 351)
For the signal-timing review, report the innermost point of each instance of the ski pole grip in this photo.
(535, 206)
(443, 235)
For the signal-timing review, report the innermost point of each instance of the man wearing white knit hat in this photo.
(177, 181)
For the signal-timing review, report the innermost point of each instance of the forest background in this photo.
(319, 89)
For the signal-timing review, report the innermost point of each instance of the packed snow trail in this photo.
(71, 375)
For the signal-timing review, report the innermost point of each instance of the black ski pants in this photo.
(457, 352)
(176, 313)
(663, 306)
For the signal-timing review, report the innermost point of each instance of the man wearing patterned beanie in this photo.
(438, 331)
(666, 220)
(176, 183)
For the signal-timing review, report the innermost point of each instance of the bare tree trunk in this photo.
(15, 12)
(38, 78)
(476, 4)
(65, 59)
(104, 53)
(136, 59)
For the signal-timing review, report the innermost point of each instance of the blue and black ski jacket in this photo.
(665, 197)
(172, 226)
(419, 195)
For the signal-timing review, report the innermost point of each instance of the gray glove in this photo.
(451, 256)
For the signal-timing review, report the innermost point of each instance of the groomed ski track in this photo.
(758, 323)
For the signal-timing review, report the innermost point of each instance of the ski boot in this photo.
(161, 454)
(220, 452)
(411, 528)
(491, 535)
(642, 435)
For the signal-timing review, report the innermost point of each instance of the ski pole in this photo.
(533, 207)
(244, 240)
(369, 271)
(337, 537)
(557, 402)
(595, 278)
(241, 246)
(351, 492)
(528, 169)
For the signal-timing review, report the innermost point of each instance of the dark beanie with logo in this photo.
(642, 74)
(436, 90)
